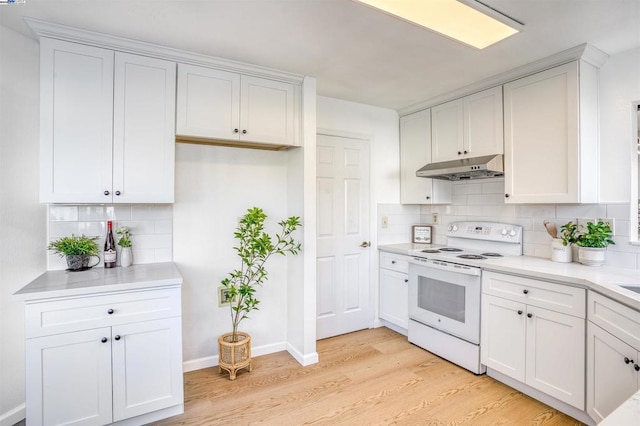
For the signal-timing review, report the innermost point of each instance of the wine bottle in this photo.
(109, 247)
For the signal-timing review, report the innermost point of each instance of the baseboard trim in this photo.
(212, 361)
(303, 359)
(13, 416)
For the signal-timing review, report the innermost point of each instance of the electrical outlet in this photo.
(582, 224)
(434, 218)
(385, 222)
(611, 222)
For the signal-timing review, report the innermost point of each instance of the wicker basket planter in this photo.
(234, 356)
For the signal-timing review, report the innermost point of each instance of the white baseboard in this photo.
(303, 359)
(212, 361)
(13, 416)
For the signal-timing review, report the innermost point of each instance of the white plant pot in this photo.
(126, 258)
(560, 253)
(591, 256)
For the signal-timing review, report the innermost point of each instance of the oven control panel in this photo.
(488, 231)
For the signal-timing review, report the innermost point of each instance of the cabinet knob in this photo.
(117, 337)
(525, 291)
(106, 192)
(466, 152)
(393, 262)
(529, 315)
(104, 340)
(636, 367)
(235, 130)
(627, 360)
(459, 152)
(428, 198)
(519, 312)
(506, 195)
(406, 280)
(244, 132)
(110, 311)
(117, 192)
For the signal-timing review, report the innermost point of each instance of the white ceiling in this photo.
(355, 52)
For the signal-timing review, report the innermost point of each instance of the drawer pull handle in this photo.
(636, 367)
(117, 337)
(529, 315)
(519, 312)
(627, 360)
(110, 311)
(525, 291)
(104, 340)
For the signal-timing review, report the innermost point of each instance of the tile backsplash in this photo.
(151, 227)
(483, 200)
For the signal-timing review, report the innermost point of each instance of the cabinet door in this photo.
(208, 103)
(267, 111)
(541, 137)
(144, 123)
(415, 152)
(503, 336)
(447, 131)
(555, 355)
(483, 123)
(394, 297)
(147, 367)
(76, 110)
(610, 379)
(69, 378)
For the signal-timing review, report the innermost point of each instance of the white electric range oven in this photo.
(445, 289)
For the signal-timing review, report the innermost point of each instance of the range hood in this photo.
(468, 168)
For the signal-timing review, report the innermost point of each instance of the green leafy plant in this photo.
(125, 236)
(598, 235)
(255, 248)
(569, 233)
(70, 246)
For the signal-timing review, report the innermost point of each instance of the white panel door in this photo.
(343, 285)
(447, 135)
(147, 367)
(77, 363)
(208, 103)
(555, 355)
(503, 336)
(267, 111)
(76, 111)
(144, 129)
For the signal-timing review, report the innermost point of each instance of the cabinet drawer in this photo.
(544, 294)
(395, 262)
(81, 313)
(619, 320)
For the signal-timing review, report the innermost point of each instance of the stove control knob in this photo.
(512, 233)
(503, 232)
(453, 228)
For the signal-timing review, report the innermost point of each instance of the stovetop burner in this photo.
(491, 254)
(471, 256)
(450, 249)
(430, 251)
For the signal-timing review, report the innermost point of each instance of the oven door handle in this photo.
(446, 266)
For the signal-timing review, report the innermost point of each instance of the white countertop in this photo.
(97, 280)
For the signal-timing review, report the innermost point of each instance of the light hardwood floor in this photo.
(371, 377)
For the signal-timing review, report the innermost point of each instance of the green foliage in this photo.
(568, 233)
(598, 235)
(255, 248)
(125, 236)
(69, 246)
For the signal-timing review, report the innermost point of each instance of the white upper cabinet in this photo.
(220, 105)
(415, 152)
(468, 127)
(106, 133)
(551, 136)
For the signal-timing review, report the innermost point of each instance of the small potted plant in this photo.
(77, 250)
(561, 250)
(254, 249)
(593, 243)
(126, 258)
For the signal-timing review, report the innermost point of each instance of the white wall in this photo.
(22, 218)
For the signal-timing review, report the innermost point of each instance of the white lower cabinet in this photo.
(129, 366)
(613, 355)
(394, 289)
(537, 346)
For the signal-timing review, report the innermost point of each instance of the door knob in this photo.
(365, 244)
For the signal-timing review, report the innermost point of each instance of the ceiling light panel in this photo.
(452, 18)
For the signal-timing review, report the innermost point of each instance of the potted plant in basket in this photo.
(593, 243)
(125, 242)
(78, 251)
(254, 249)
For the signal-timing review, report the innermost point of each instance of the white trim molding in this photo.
(13, 416)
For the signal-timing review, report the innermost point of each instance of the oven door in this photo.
(446, 296)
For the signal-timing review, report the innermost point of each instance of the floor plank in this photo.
(371, 377)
